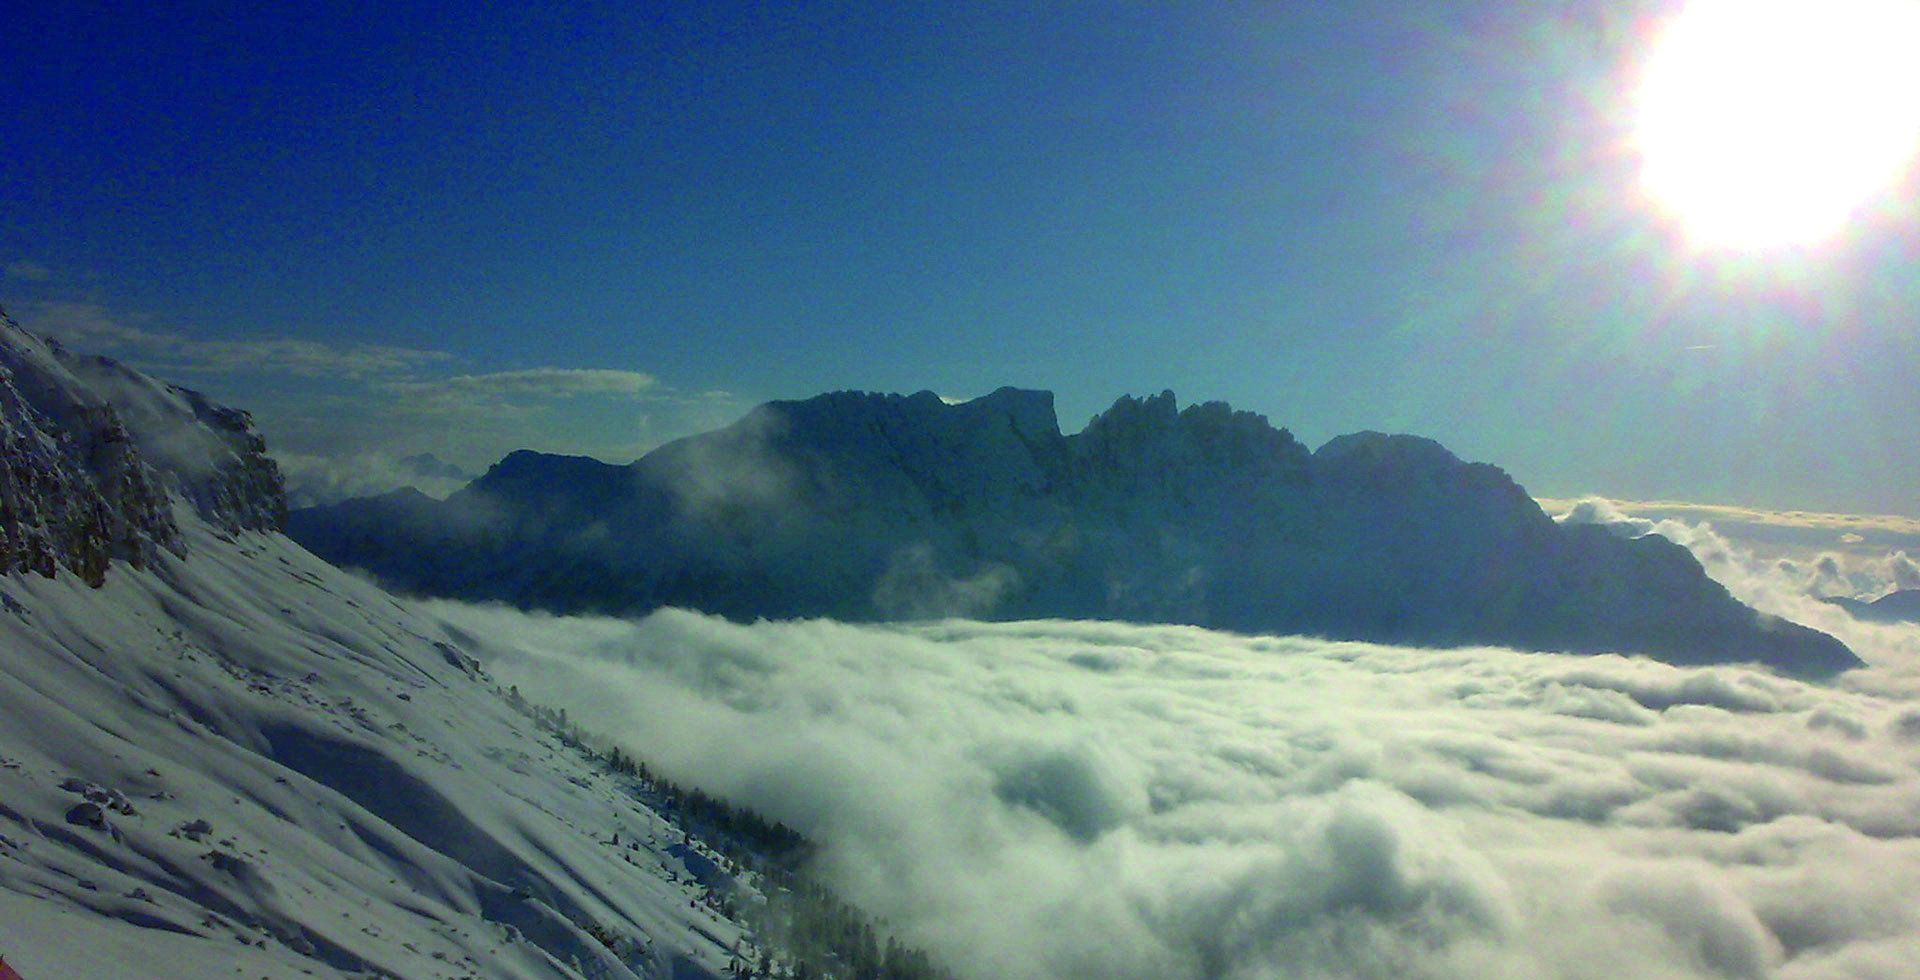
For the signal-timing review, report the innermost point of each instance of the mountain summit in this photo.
(877, 506)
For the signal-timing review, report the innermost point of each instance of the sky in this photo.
(471, 227)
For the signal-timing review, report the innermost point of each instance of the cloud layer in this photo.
(1061, 799)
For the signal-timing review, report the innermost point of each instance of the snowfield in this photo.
(247, 763)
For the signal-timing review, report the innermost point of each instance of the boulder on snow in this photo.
(87, 814)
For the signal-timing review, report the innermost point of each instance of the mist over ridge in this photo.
(874, 507)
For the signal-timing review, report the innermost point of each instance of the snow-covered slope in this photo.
(246, 758)
(884, 507)
(220, 756)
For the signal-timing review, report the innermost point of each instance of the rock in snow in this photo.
(868, 507)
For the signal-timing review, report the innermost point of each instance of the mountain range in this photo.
(862, 506)
(222, 755)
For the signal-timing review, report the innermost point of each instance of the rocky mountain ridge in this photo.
(874, 506)
(94, 455)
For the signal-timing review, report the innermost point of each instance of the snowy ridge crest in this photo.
(94, 456)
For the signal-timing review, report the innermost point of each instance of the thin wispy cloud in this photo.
(95, 328)
(27, 271)
(541, 382)
(316, 480)
(334, 409)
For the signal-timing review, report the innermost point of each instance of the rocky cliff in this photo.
(95, 456)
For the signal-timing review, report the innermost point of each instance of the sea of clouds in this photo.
(1071, 799)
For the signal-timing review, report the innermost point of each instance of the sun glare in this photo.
(1766, 123)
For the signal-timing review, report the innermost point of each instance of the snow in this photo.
(300, 776)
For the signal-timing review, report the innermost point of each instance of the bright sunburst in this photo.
(1769, 122)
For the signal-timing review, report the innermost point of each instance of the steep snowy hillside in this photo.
(220, 756)
(247, 758)
(882, 507)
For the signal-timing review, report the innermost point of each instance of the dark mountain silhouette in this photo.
(1902, 606)
(868, 507)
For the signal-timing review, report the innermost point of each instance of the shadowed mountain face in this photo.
(866, 507)
(1902, 606)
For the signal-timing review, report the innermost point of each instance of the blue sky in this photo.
(467, 227)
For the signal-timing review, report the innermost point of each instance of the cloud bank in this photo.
(1056, 799)
(27, 270)
(1797, 534)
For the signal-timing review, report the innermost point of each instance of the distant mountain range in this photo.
(872, 507)
(1895, 607)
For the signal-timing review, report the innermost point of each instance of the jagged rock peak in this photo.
(1028, 412)
(93, 454)
(526, 463)
(1153, 433)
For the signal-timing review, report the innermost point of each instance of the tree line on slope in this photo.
(803, 930)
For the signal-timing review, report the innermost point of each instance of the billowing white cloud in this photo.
(1725, 514)
(1601, 511)
(1059, 799)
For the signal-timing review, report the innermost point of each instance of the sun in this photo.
(1769, 123)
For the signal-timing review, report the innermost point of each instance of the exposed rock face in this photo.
(863, 506)
(94, 457)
